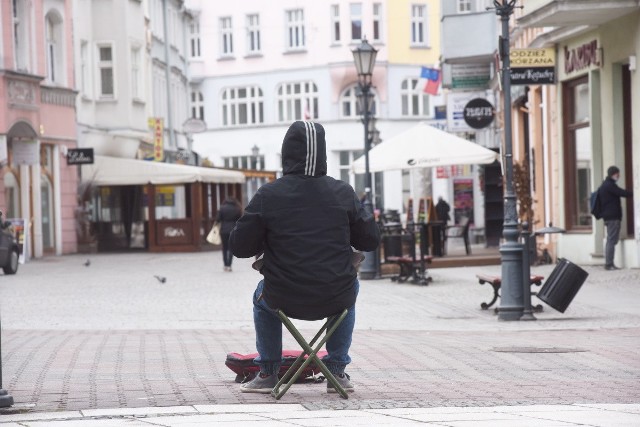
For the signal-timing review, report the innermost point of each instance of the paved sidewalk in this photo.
(110, 335)
(296, 415)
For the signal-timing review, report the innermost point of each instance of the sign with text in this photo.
(456, 103)
(157, 125)
(533, 66)
(478, 113)
(80, 156)
(26, 152)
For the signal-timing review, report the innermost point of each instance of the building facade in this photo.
(256, 67)
(584, 124)
(37, 123)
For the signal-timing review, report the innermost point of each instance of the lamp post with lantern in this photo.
(364, 57)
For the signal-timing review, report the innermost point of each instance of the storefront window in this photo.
(578, 153)
(11, 196)
(171, 202)
(46, 195)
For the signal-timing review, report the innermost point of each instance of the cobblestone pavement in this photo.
(111, 335)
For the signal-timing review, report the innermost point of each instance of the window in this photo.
(242, 106)
(21, 31)
(297, 101)
(226, 36)
(253, 33)
(419, 25)
(11, 195)
(245, 162)
(414, 101)
(85, 74)
(105, 70)
(46, 195)
(295, 29)
(357, 181)
(194, 39)
(335, 23)
(136, 75)
(464, 6)
(197, 105)
(356, 21)
(349, 105)
(54, 43)
(578, 155)
(377, 22)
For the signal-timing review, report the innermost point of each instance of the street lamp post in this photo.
(512, 298)
(364, 57)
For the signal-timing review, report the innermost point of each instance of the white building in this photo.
(258, 66)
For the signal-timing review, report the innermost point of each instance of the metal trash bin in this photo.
(563, 284)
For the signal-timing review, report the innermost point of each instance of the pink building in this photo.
(38, 123)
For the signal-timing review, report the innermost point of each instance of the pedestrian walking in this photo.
(228, 214)
(611, 209)
(305, 223)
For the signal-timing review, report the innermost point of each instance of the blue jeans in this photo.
(269, 337)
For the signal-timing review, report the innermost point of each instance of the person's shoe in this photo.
(260, 384)
(344, 381)
(611, 267)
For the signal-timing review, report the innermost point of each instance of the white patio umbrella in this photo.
(424, 146)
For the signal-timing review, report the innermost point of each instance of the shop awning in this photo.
(121, 171)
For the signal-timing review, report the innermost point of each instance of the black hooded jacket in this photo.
(610, 195)
(305, 223)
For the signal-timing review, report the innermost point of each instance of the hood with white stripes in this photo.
(304, 150)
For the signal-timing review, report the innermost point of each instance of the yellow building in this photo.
(405, 18)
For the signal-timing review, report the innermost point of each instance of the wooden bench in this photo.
(410, 268)
(496, 283)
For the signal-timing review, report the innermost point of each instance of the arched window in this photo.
(415, 103)
(54, 43)
(242, 106)
(21, 34)
(297, 101)
(350, 105)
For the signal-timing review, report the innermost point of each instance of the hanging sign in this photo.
(533, 66)
(478, 113)
(80, 156)
(157, 125)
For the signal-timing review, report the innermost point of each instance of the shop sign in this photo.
(456, 103)
(478, 113)
(533, 66)
(583, 57)
(80, 156)
(26, 152)
(470, 76)
(156, 124)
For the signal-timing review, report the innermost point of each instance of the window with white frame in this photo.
(377, 22)
(242, 106)
(414, 101)
(136, 73)
(197, 105)
(85, 73)
(244, 162)
(335, 23)
(356, 21)
(297, 101)
(226, 36)
(349, 104)
(464, 6)
(253, 33)
(54, 43)
(105, 70)
(357, 181)
(295, 29)
(194, 39)
(419, 22)
(21, 32)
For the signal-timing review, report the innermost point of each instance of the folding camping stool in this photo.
(294, 371)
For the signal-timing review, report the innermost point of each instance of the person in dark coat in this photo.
(610, 195)
(442, 210)
(306, 223)
(228, 214)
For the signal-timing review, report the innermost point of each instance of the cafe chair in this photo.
(459, 231)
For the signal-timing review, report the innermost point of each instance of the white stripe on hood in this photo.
(312, 148)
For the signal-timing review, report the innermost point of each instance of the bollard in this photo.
(5, 398)
(527, 313)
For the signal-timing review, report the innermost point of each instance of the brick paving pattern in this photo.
(110, 335)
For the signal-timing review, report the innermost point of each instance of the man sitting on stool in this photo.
(305, 223)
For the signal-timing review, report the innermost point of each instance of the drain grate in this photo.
(537, 350)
